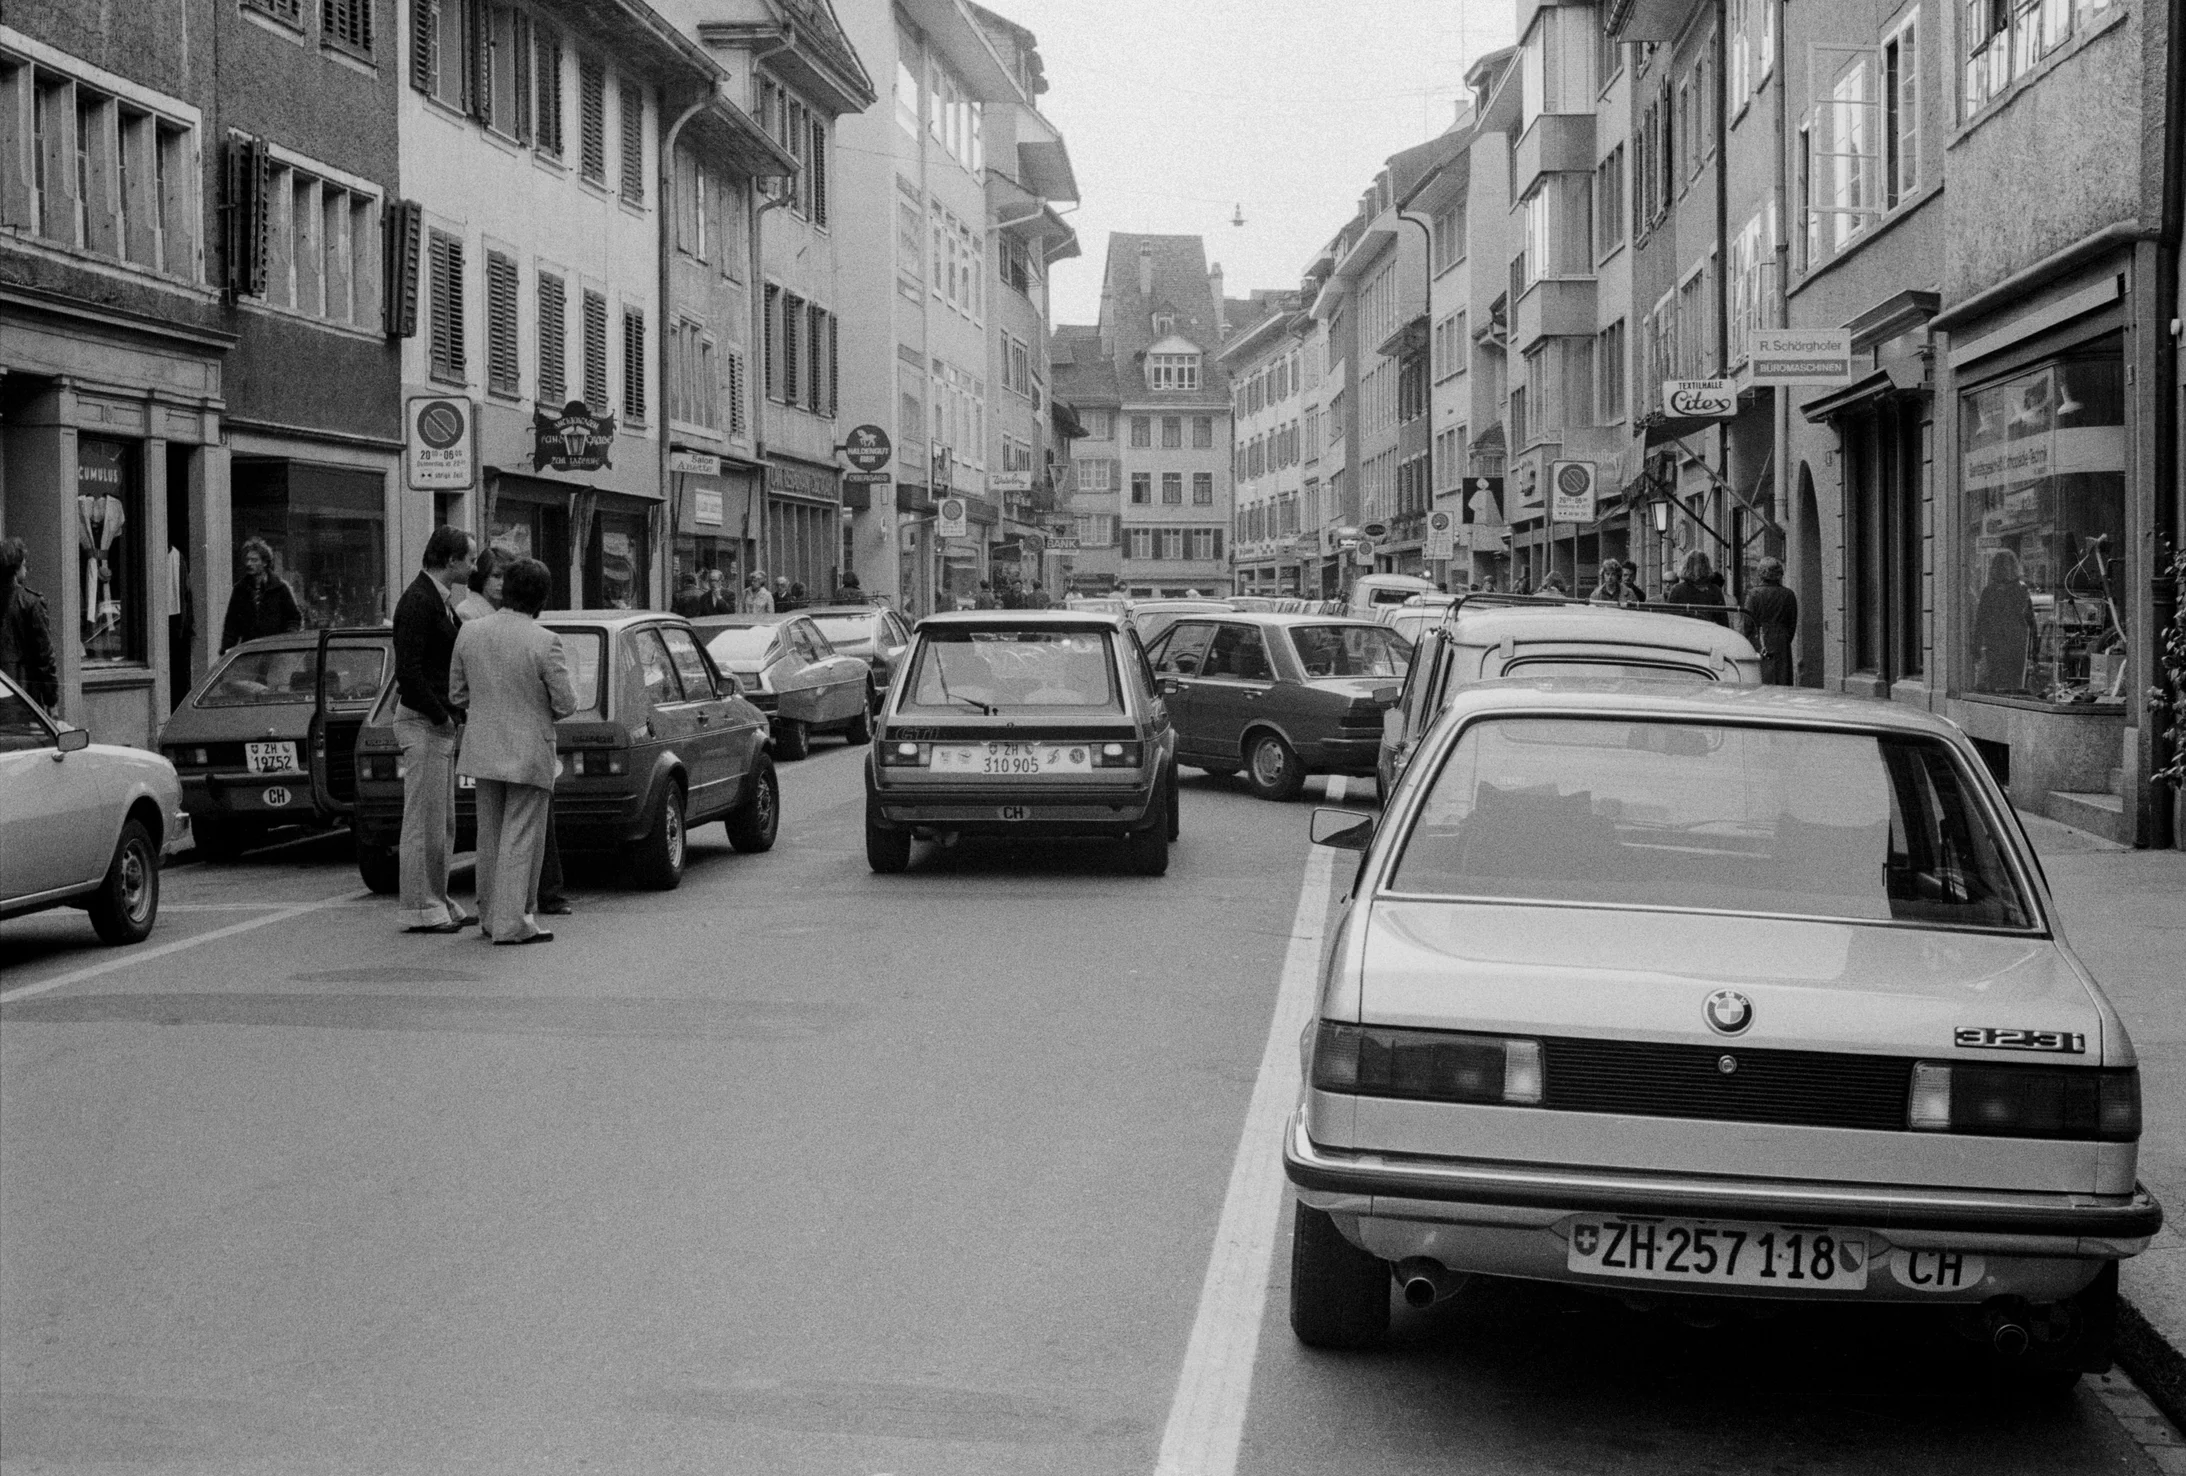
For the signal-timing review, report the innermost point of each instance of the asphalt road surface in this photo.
(799, 1170)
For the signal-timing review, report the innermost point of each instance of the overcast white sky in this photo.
(1178, 111)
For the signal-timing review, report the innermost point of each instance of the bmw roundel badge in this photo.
(1728, 1012)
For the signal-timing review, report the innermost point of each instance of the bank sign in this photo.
(1801, 356)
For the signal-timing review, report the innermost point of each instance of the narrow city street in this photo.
(800, 1169)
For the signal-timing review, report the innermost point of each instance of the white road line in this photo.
(130, 957)
(1207, 1416)
(1339, 785)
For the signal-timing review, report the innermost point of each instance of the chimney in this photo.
(1221, 313)
(1146, 269)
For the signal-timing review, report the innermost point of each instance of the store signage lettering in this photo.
(1690, 398)
(868, 448)
(1801, 356)
(437, 443)
(2078, 452)
(575, 440)
(706, 509)
(695, 463)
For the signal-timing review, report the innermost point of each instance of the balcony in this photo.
(1557, 143)
(1556, 307)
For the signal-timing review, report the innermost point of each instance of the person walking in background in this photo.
(1696, 586)
(1611, 590)
(850, 590)
(26, 636)
(510, 674)
(262, 603)
(426, 727)
(1632, 585)
(756, 599)
(1772, 619)
(795, 599)
(1554, 585)
(687, 598)
(716, 600)
(2004, 629)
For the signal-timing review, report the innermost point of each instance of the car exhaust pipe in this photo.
(2009, 1339)
(1425, 1282)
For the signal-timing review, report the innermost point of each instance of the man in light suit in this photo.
(510, 673)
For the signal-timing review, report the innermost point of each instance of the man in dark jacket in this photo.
(426, 726)
(262, 604)
(26, 636)
(1772, 619)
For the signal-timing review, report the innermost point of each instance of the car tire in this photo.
(1149, 849)
(1176, 808)
(887, 850)
(126, 905)
(753, 824)
(1339, 1294)
(658, 862)
(792, 739)
(860, 729)
(1272, 768)
(380, 867)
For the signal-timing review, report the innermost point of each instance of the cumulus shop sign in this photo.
(1817, 356)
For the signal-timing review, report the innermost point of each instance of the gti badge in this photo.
(1728, 1012)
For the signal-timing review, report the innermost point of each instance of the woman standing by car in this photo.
(1695, 587)
(262, 604)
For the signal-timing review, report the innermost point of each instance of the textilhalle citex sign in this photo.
(574, 440)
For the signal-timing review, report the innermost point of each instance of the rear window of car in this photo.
(261, 678)
(1553, 666)
(740, 643)
(581, 649)
(999, 671)
(1868, 827)
(842, 628)
(1350, 650)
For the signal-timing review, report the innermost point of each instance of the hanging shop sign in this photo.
(698, 463)
(1804, 356)
(1441, 535)
(869, 448)
(938, 477)
(437, 443)
(1067, 544)
(574, 440)
(706, 508)
(1009, 482)
(1688, 399)
(1571, 491)
(1483, 500)
(951, 515)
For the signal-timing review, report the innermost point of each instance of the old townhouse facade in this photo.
(1265, 363)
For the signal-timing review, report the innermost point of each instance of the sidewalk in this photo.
(2125, 912)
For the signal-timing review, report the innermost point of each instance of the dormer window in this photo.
(1164, 323)
(1172, 371)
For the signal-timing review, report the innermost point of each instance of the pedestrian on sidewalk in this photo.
(1695, 586)
(1772, 619)
(427, 726)
(26, 636)
(1610, 590)
(510, 673)
(716, 600)
(756, 599)
(488, 575)
(262, 604)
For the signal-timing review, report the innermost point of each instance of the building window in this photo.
(698, 377)
(592, 121)
(445, 270)
(2006, 39)
(1172, 432)
(595, 351)
(347, 24)
(109, 521)
(321, 247)
(2042, 467)
(502, 374)
(288, 11)
(1448, 233)
(553, 342)
(633, 364)
(1608, 204)
(1884, 543)
(1901, 112)
(1172, 371)
(1142, 487)
(1753, 279)
(1172, 489)
(1609, 400)
(1100, 425)
(1142, 431)
(546, 56)
(1138, 543)
(1203, 489)
(1860, 144)
(1559, 230)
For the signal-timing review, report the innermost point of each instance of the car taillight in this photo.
(597, 763)
(1119, 755)
(197, 756)
(379, 768)
(894, 755)
(1426, 1065)
(2087, 1103)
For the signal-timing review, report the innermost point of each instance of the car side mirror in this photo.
(1167, 685)
(75, 740)
(1387, 696)
(729, 686)
(1344, 830)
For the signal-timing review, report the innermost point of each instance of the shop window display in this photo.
(615, 571)
(2043, 469)
(110, 551)
(327, 527)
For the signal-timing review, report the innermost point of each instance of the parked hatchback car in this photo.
(874, 634)
(1797, 1023)
(269, 736)
(1024, 723)
(1279, 696)
(82, 824)
(663, 741)
(793, 674)
(1480, 641)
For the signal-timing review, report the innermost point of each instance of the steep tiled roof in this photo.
(1408, 168)
(1080, 372)
(1180, 286)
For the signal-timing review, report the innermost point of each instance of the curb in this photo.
(2154, 1364)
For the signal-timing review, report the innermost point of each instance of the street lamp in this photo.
(1658, 508)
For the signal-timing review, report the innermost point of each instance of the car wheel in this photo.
(381, 868)
(792, 739)
(752, 824)
(861, 726)
(887, 850)
(1339, 1294)
(1176, 808)
(126, 904)
(1272, 768)
(659, 859)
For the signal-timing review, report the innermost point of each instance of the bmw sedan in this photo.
(1745, 994)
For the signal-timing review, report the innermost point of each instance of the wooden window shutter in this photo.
(247, 218)
(793, 332)
(595, 351)
(819, 170)
(735, 388)
(520, 42)
(548, 84)
(815, 357)
(632, 122)
(592, 120)
(446, 272)
(633, 364)
(553, 343)
(478, 61)
(502, 373)
(834, 367)
(347, 23)
(402, 244)
(424, 42)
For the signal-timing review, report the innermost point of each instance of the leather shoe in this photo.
(450, 926)
(468, 920)
(542, 936)
(556, 907)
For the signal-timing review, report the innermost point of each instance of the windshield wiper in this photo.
(942, 676)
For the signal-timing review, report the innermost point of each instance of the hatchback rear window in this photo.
(1554, 666)
(581, 649)
(1873, 827)
(744, 644)
(998, 671)
(260, 678)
